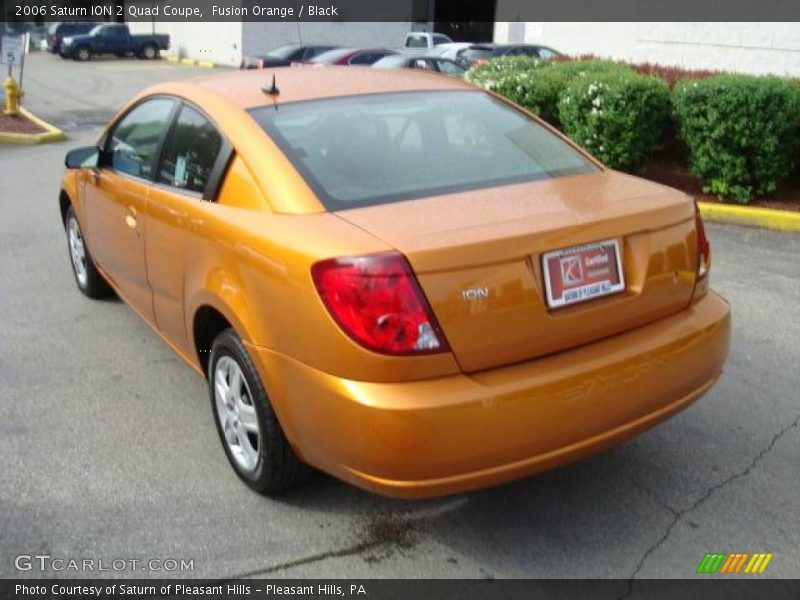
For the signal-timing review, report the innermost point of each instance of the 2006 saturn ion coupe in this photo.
(394, 276)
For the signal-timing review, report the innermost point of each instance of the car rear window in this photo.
(417, 41)
(378, 148)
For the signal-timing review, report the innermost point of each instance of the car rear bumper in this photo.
(441, 436)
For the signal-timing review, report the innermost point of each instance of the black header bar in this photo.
(400, 10)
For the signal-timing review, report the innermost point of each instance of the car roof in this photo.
(243, 89)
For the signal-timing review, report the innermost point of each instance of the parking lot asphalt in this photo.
(109, 450)
(74, 96)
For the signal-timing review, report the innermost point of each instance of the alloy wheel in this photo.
(237, 414)
(77, 251)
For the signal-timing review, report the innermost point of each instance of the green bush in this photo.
(545, 86)
(508, 76)
(535, 84)
(616, 114)
(743, 132)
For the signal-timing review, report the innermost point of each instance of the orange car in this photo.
(395, 277)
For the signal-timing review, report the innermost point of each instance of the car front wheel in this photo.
(82, 54)
(88, 278)
(248, 428)
(149, 52)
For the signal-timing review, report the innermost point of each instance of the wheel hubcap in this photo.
(237, 415)
(148, 52)
(77, 251)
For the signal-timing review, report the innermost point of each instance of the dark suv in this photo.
(58, 31)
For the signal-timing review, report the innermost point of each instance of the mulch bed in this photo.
(678, 175)
(19, 124)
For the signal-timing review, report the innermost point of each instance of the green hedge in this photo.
(743, 132)
(511, 77)
(618, 115)
(630, 110)
(536, 84)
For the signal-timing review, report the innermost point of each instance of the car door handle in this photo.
(130, 219)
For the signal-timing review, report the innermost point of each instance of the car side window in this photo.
(110, 32)
(133, 143)
(366, 58)
(546, 53)
(190, 150)
(313, 51)
(445, 66)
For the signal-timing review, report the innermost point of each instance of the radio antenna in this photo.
(272, 90)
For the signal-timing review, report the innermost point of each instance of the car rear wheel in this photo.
(149, 52)
(83, 53)
(88, 278)
(248, 428)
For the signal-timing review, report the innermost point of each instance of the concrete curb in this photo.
(782, 220)
(51, 133)
(192, 62)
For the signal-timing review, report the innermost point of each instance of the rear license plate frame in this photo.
(588, 283)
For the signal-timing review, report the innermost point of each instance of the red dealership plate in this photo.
(582, 273)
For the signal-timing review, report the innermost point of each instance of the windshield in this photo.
(379, 148)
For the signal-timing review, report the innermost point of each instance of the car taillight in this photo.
(377, 301)
(703, 247)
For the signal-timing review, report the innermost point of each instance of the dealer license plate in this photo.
(582, 272)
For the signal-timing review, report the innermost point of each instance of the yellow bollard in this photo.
(13, 94)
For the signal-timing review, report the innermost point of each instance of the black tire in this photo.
(82, 53)
(91, 284)
(277, 467)
(149, 52)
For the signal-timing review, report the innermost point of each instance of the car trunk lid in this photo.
(478, 258)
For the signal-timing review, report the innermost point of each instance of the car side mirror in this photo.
(86, 157)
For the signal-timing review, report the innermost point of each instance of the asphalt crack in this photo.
(678, 515)
(382, 536)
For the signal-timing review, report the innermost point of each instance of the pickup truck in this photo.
(113, 38)
(422, 39)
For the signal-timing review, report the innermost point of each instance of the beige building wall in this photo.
(220, 43)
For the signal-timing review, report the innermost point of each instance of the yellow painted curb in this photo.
(783, 220)
(192, 62)
(51, 133)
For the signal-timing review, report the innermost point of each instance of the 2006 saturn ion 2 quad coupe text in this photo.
(394, 276)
